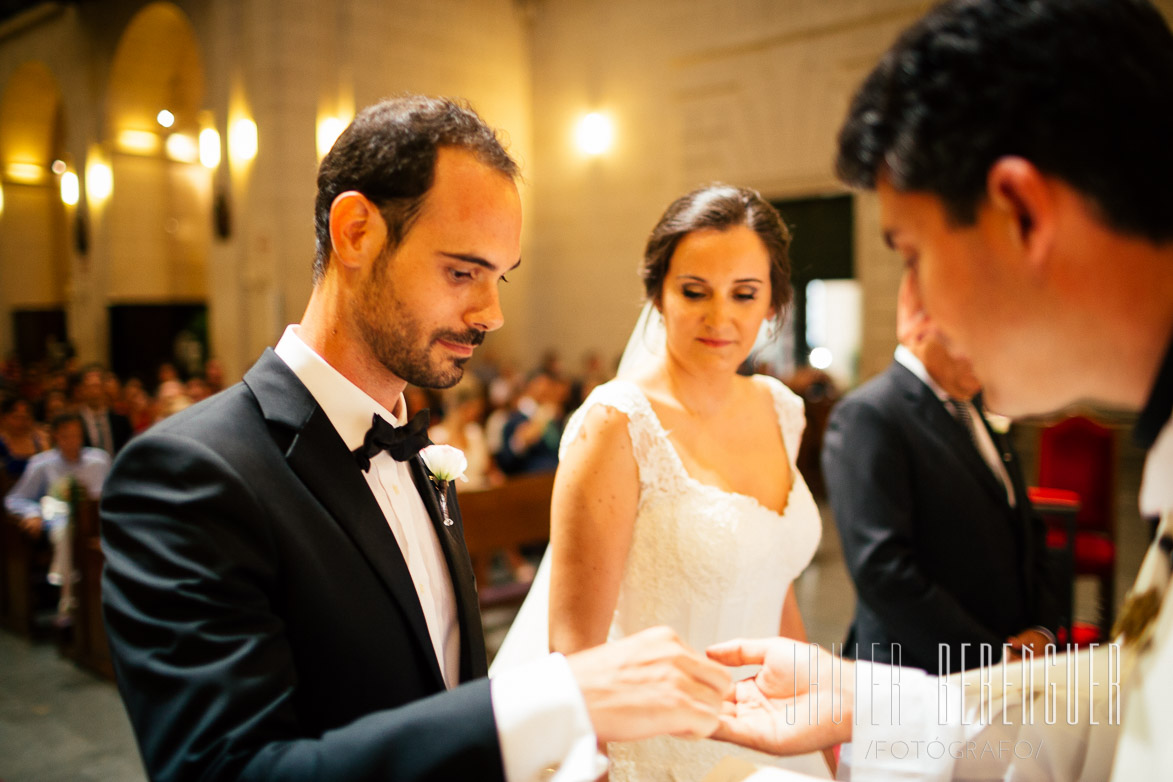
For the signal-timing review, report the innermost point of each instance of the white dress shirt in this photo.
(541, 718)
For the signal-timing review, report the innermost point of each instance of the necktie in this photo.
(960, 411)
(402, 442)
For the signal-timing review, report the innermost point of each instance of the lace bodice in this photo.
(711, 564)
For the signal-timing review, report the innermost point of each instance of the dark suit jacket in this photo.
(261, 617)
(120, 431)
(937, 554)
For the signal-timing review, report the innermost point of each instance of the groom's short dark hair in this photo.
(1080, 88)
(388, 153)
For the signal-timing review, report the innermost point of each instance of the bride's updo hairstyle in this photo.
(719, 207)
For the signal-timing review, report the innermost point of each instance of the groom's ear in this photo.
(358, 232)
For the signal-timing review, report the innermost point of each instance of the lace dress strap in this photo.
(791, 412)
(648, 439)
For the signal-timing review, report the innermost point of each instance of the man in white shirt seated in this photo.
(41, 498)
(1021, 154)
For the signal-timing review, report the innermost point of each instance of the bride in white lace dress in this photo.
(677, 500)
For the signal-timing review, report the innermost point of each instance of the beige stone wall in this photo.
(286, 63)
(282, 63)
(745, 91)
(742, 92)
(32, 274)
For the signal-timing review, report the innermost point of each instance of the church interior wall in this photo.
(742, 91)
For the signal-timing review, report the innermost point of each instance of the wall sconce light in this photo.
(182, 148)
(329, 129)
(594, 133)
(25, 173)
(242, 140)
(165, 118)
(209, 148)
(140, 142)
(70, 191)
(99, 181)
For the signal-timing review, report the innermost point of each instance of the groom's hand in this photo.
(800, 701)
(649, 684)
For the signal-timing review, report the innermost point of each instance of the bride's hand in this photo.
(800, 701)
(649, 684)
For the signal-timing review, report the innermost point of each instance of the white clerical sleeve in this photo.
(898, 732)
(1056, 718)
(543, 725)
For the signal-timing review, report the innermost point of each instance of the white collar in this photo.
(909, 361)
(1156, 486)
(348, 407)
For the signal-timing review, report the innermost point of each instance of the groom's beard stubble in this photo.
(398, 341)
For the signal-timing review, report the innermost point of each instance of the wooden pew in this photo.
(501, 517)
(23, 562)
(88, 646)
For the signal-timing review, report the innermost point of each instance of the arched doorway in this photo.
(157, 224)
(34, 223)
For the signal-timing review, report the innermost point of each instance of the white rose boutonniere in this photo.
(446, 464)
(999, 423)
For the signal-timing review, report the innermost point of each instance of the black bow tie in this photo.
(402, 442)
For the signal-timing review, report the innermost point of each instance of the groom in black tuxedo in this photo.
(283, 597)
(937, 531)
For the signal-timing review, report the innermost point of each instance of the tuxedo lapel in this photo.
(322, 462)
(473, 662)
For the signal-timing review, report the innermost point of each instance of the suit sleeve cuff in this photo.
(543, 725)
(1047, 634)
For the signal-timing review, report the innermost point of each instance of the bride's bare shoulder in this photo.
(774, 390)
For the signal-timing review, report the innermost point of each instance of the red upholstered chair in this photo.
(1078, 455)
(1058, 508)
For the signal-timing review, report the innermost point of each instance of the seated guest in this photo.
(464, 409)
(103, 427)
(53, 404)
(38, 497)
(20, 438)
(197, 389)
(937, 531)
(170, 398)
(529, 440)
(214, 375)
(115, 396)
(140, 408)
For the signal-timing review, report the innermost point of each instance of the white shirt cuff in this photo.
(543, 725)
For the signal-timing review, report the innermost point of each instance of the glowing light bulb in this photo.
(70, 191)
(820, 358)
(594, 134)
(242, 139)
(209, 147)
